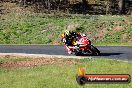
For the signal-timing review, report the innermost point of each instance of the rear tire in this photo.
(95, 51)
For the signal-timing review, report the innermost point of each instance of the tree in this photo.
(22, 2)
(121, 4)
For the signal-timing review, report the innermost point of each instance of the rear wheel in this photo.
(95, 51)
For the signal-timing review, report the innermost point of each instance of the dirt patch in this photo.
(124, 37)
(72, 27)
(117, 28)
(100, 34)
(16, 62)
(123, 23)
(8, 7)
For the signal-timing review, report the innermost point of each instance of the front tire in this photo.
(95, 51)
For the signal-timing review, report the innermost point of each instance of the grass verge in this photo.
(62, 75)
(20, 26)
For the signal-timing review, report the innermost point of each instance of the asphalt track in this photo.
(112, 52)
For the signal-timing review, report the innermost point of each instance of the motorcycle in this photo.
(82, 46)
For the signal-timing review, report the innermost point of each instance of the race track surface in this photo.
(112, 52)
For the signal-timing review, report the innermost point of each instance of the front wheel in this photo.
(94, 50)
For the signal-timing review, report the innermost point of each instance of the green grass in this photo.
(21, 26)
(63, 76)
(38, 28)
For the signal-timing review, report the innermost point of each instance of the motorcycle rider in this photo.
(70, 38)
(78, 44)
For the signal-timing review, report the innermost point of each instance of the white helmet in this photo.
(84, 35)
(66, 32)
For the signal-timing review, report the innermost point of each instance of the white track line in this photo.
(49, 56)
(42, 55)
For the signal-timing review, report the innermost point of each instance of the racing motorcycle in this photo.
(82, 46)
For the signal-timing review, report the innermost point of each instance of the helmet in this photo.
(66, 32)
(62, 35)
(84, 35)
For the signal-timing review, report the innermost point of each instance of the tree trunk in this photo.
(22, 2)
(121, 6)
(85, 6)
(107, 7)
(49, 5)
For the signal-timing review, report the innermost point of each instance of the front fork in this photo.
(67, 48)
(72, 49)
